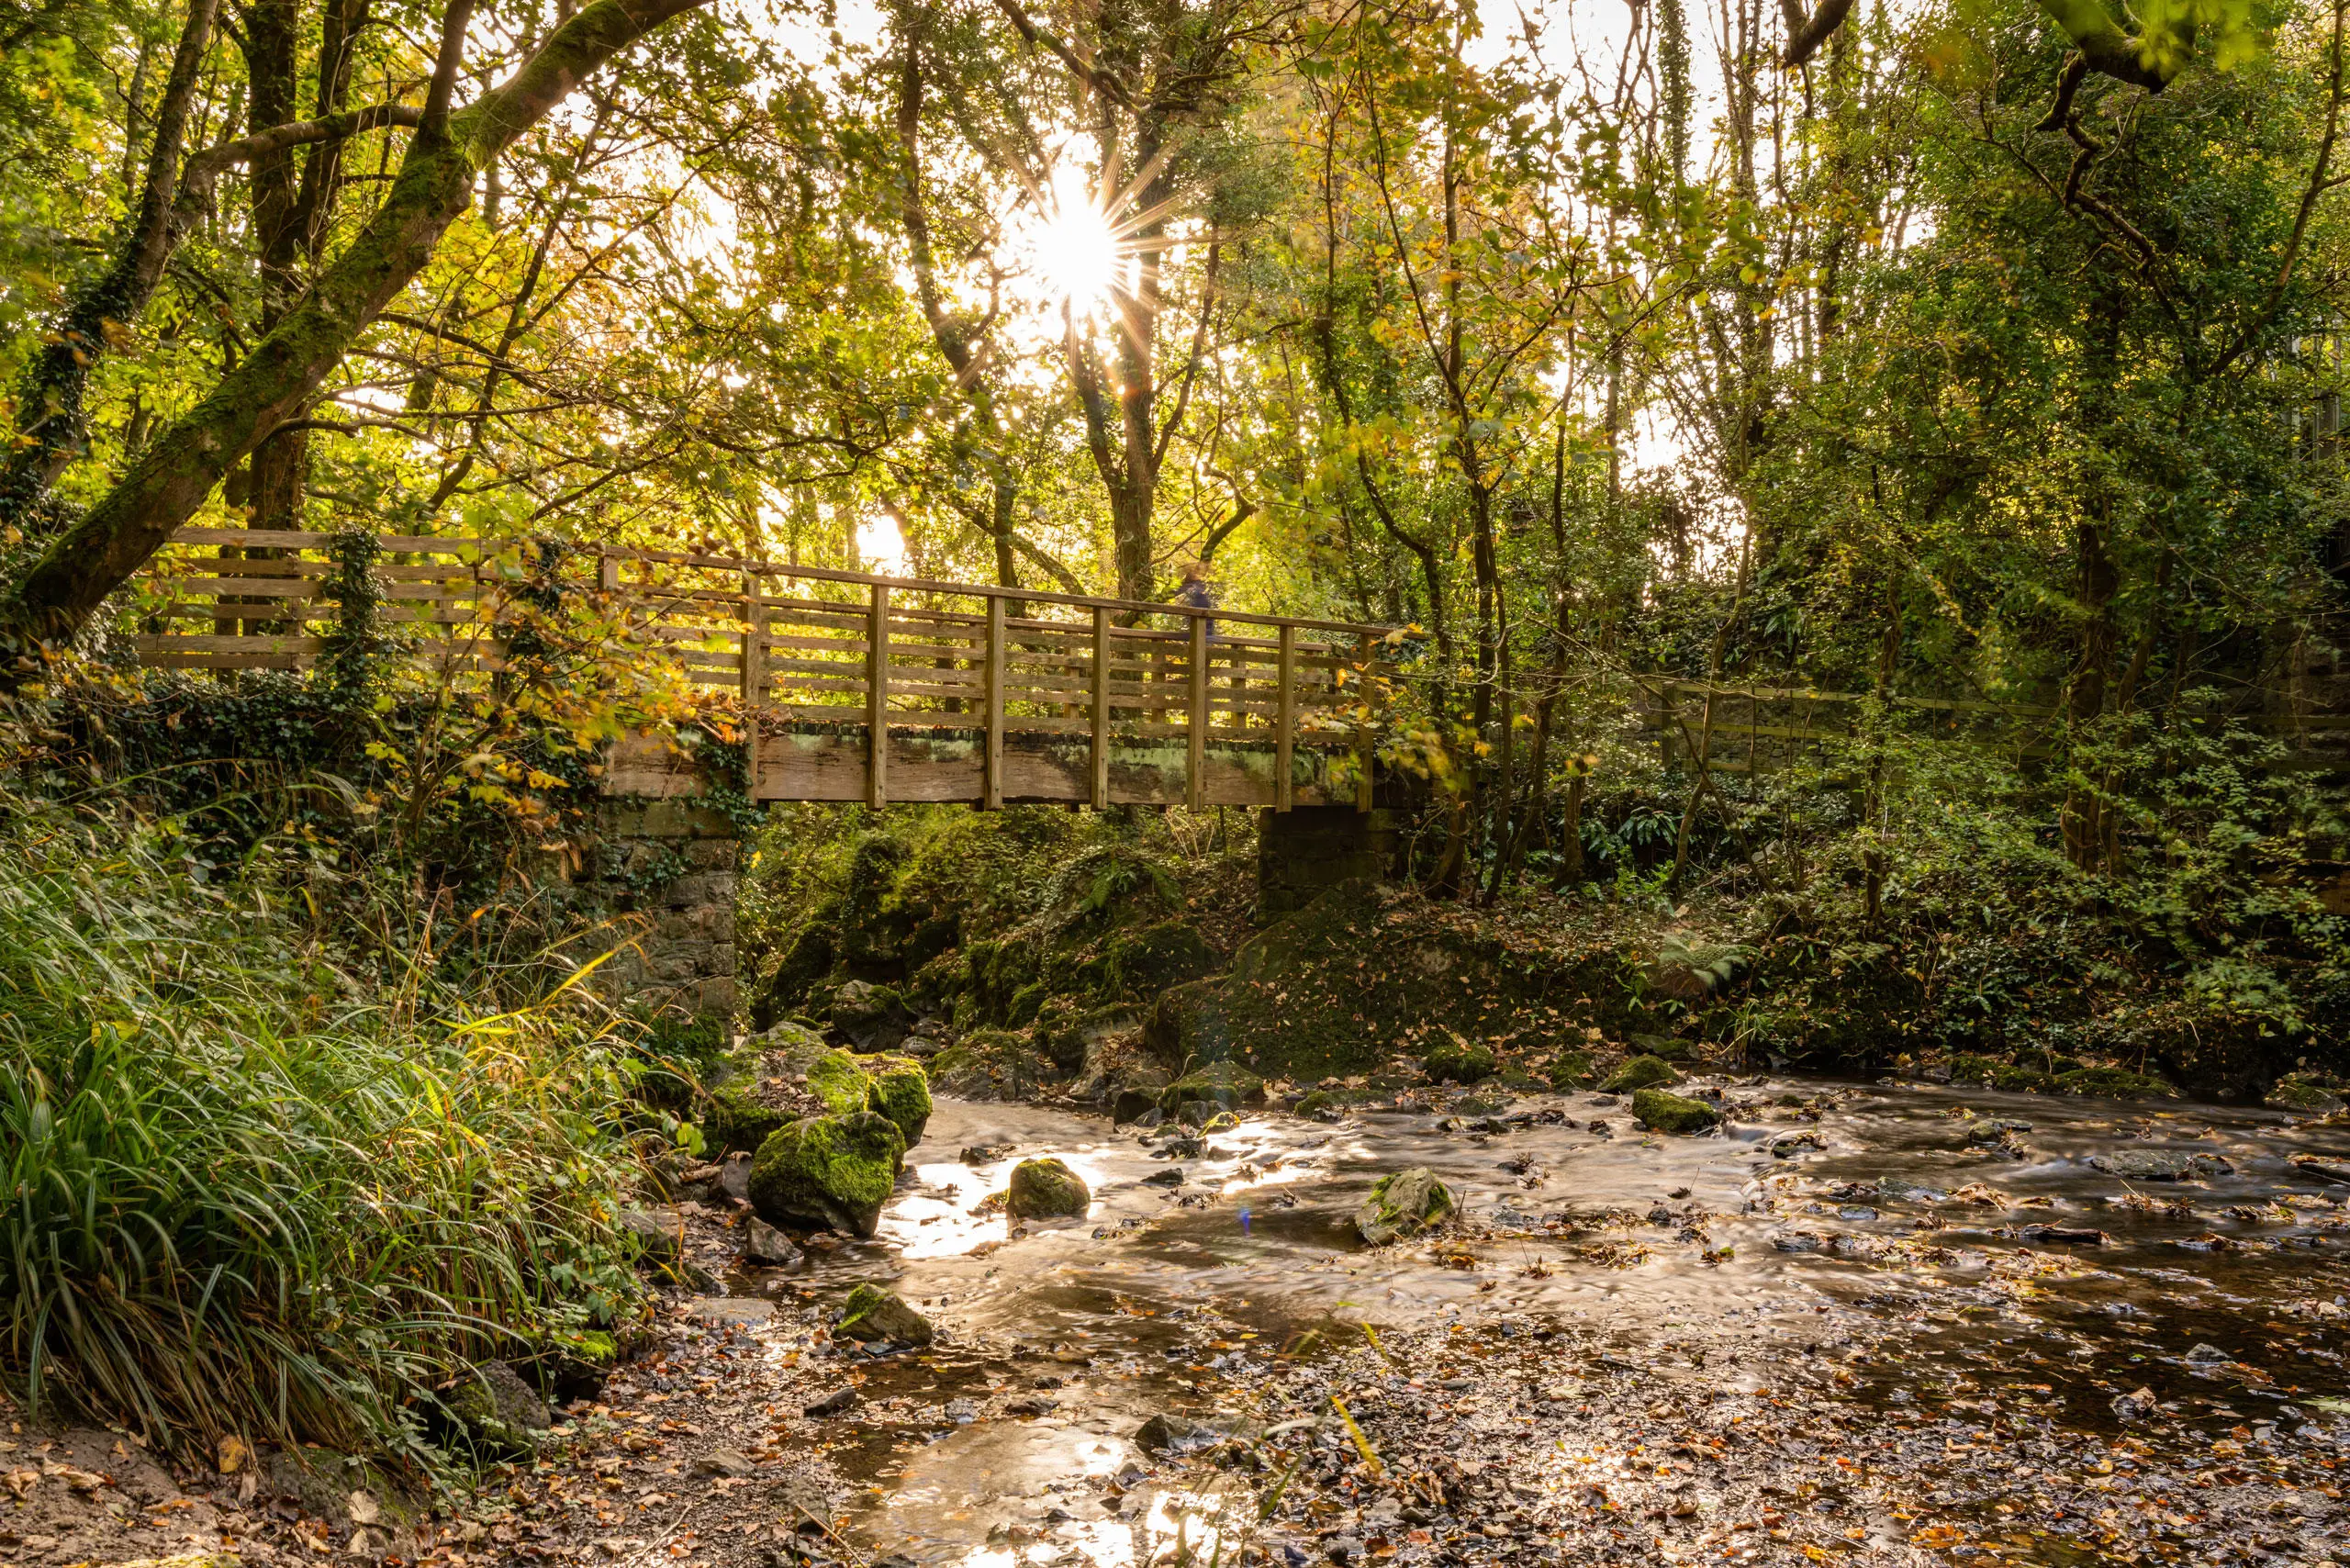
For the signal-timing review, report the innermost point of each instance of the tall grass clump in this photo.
(254, 1190)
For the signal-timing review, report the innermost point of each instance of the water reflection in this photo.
(1165, 1297)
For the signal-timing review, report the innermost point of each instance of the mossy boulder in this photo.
(874, 1316)
(501, 1415)
(871, 1018)
(1457, 1060)
(1661, 1111)
(2116, 1083)
(900, 1091)
(1046, 1188)
(735, 1122)
(1640, 1072)
(1572, 1070)
(1218, 1084)
(1070, 1031)
(830, 1170)
(1403, 1204)
(2306, 1091)
(2016, 1080)
(1665, 1047)
(839, 1080)
(1320, 1105)
(990, 1064)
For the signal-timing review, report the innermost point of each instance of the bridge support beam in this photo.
(1304, 852)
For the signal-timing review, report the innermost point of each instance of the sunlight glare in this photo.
(882, 545)
(1076, 252)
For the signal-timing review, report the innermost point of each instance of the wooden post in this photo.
(1285, 722)
(1368, 646)
(992, 794)
(754, 675)
(877, 701)
(1101, 708)
(1195, 794)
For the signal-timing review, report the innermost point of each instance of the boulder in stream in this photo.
(1403, 1204)
(874, 1315)
(900, 1091)
(1166, 1433)
(1641, 1072)
(2161, 1165)
(765, 1245)
(1046, 1189)
(1666, 1112)
(1221, 1084)
(831, 1170)
(1458, 1060)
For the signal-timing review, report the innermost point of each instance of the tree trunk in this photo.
(2083, 814)
(48, 405)
(55, 598)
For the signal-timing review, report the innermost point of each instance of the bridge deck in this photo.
(973, 692)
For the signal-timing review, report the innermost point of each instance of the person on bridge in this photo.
(1195, 592)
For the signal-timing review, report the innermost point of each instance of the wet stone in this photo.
(2161, 1165)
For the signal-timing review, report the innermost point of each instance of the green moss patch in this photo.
(830, 1170)
(1660, 1111)
(1640, 1072)
(1459, 1061)
(1046, 1188)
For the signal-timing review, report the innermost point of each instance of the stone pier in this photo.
(675, 867)
(1303, 854)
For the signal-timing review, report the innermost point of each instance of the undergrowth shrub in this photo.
(255, 1187)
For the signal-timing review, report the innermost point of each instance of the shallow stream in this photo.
(1705, 1259)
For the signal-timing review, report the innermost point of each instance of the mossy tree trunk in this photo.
(169, 480)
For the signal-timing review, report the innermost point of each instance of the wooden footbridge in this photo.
(857, 688)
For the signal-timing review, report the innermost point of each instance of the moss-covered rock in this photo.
(1572, 1070)
(501, 1415)
(1320, 1105)
(2115, 1083)
(1070, 1031)
(871, 1018)
(990, 1064)
(1403, 1204)
(831, 1170)
(2018, 1080)
(1458, 1060)
(735, 1120)
(1665, 1047)
(874, 1316)
(1218, 1084)
(900, 1091)
(1661, 1111)
(1046, 1189)
(2306, 1091)
(1969, 1069)
(1640, 1072)
(839, 1081)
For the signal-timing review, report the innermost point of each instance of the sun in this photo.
(1076, 252)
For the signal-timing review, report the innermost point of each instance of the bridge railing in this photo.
(800, 645)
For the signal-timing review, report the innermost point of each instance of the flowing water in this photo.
(1704, 1255)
